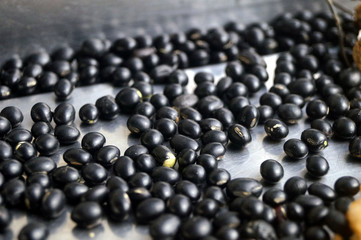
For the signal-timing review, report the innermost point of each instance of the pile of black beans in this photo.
(171, 180)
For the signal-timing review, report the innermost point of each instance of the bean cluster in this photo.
(171, 179)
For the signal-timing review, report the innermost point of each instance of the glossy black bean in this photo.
(288, 229)
(47, 81)
(347, 186)
(354, 115)
(355, 147)
(164, 156)
(5, 218)
(39, 165)
(189, 128)
(89, 114)
(179, 205)
(66, 134)
(344, 128)
(93, 141)
(13, 114)
(207, 105)
(338, 105)
(11, 168)
(219, 177)
(140, 180)
(40, 128)
(53, 203)
(194, 173)
(145, 108)
(5, 126)
(214, 136)
(308, 202)
(216, 149)
(138, 124)
(173, 90)
(196, 227)
(317, 109)
(317, 233)
(159, 101)
(239, 135)
(208, 162)
(77, 157)
(317, 215)
(317, 166)
(150, 209)
(236, 89)
(295, 149)
(258, 229)
(166, 126)
(294, 211)
(274, 197)
(99, 193)
(167, 112)
(64, 114)
(6, 151)
(205, 89)
(165, 174)
(87, 214)
(342, 204)
(225, 116)
(162, 190)
(322, 125)
(41, 112)
(135, 151)
(63, 89)
(289, 113)
(209, 124)
(18, 135)
(63, 53)
(315, 140)
(226, 219)
(201, 77)
(179, 142)
(121, 76)
(145, 163)
(223, 84)
(124, 167)
(276, 129)
(215, 193)
(239, 187)
(295, 186)
(185, 100)
(271, 99)
(119, 205)
(280, 90)
(251, 208)
(186, 157)
(115, 182)
(206, 208)
(252, 82)
(179, 77)
(13, 192)
(2, 181)
(326, 193)
(107, 107)
(189, 113)
(74, 191)
(33, 196)
(337, 222)
(40, 178)
(237, 104)
(64, 175)
(161, 73)
(24, 151)
(248, 116)
(165, 226)
(47, 144)
(234, 70)
(151, 138)
(34, 231)
(188, 189)
(94, 173)
(271, 171)
(145, 89)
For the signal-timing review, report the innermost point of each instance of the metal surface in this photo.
(27, 25)
(239, 162)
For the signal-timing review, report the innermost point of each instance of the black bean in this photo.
(274, 197)
(150, 209)
(271, 171)
(289, 113)
(47, 81)
(77, 157)
(295, 149)
(295, 211)
(215, 193)
(317, 109)
(159, 101)
(206, 208)
(47, 144)
(34, 231)
(18, 135)
(189, 128)
(53, 203)
(342, 204)
(194, 173)
(115, 182)
(164, 156)
(5, 218)
(207, 105)
(89, 114)
(203, 77)
(13, 114)
(295, 99)
(64, 175)
(282, 91)
(74, 191)
(167, 112)
(208, 162)
(94, 173)
(226, 219)
(119, 205)
(146, 89)
(188, 189)
(209, 124)
(145, 163)
(41, 112)
(124, 167)
(179, 142)
(223, 84)
(185, 100)
(33, 196)
(248, 116)
(6, 151)
(214, 136)
(63, 88)
(165, 174)
(166, 126)
(99, 194)
(239, 187)
(138, 124)
(41, 178)
(237, 104)
(239, 135)
(173, 90)
(288, 229)
(13, 192)
(162, 190)
(39, 165)
(11, 168)
(135, 151)
(295, 186)
(270, 99)
(344, 128)
(151, 138)
(338, 105)
(108, 107)
(63, 53)
(326, 193)
(219, 177)
(276, 129)
(189, 113)
(179, 205)
(322, 125)
(347, 186)
(5, 126)
(355, 147)
(40, 128)
(315, 140)
(87, 214)
(317, 166)
(308, 201)
(11, 77)
(196, 227)
(145, 108)
(225, 116)
(186, 157)
(64, 114)
(179, 77)
(140, 180)
(317, 233)
(24, 151)
(66, 134)
(337, 222)
(93, 141)
(165, 226)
